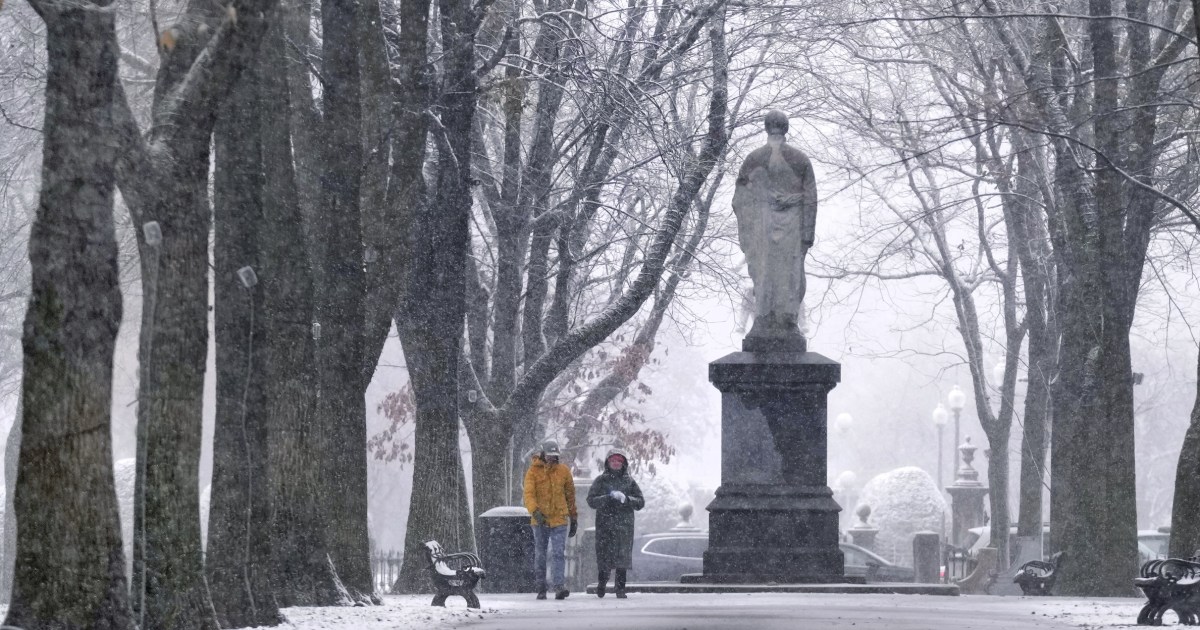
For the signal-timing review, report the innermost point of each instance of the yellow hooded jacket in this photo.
(550, 488)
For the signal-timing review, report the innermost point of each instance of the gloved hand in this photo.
(617, 495)
(538, 517)
(574, 527)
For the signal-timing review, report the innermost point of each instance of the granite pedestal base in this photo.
(773, 518)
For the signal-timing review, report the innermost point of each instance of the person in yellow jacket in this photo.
(550, 499)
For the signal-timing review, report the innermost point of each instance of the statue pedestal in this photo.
(966, 497)
(774, 518)
(966, 511)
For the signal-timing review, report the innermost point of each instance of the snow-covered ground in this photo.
(894, 612)
(397, 612)
(1097, 613)
(750, 611)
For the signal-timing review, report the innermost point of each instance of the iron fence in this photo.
(385, 569)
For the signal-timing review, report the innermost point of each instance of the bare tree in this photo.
(1185, 533)
(238, 559)
(303, 573)
(1185, 536)
(164, 180)
(432, 306)
(21, 33)
(341, 297)
(1101, 106)
(70, 568)
(551, 243)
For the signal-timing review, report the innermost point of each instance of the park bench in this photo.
(1171, 584)
(1037, 577)
(454, 574)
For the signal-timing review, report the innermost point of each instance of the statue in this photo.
(775, 202)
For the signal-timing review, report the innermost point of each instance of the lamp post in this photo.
(957, 400)
(844, 486)
(843, 422)
(940, 416)
(939, 420)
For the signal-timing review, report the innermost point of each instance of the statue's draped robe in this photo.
(775, 202)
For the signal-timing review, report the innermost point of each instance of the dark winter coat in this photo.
(614, 520)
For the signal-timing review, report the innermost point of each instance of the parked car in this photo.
(979, 537)
(1156, 541)
(1152, 543)
(666, 556)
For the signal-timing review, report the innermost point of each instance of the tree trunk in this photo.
(70, 567)
(302, 573)
(1093, 503)
(998, 467)
(433, 306)
(238, 553)
(170, 590)
(341, 296)
(164, 181)
(438, 508)
(1185, 527)
(1092, 495)
(305, 122)
(489, 467)
(1034, 438)
(1029, 239)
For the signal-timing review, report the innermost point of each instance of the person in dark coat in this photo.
(615, 496)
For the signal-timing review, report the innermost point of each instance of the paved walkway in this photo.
(769, 611)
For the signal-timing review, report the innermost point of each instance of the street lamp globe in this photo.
(957, 399)
(998, 373)
(940, 415)
(846, 480)
(843, 422)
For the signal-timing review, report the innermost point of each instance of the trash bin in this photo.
(506, 549)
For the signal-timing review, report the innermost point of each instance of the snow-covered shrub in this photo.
(903, 502)
(664, 497)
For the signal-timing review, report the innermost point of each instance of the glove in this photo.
(617, 495)
(574, 527)
(538, 517)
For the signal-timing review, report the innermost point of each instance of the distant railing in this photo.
(956, 562)
(385, 569)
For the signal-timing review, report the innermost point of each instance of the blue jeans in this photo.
(557, 539)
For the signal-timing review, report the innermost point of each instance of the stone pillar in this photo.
(774, 518)
(966, 496)
(863, 534)
(926, 557)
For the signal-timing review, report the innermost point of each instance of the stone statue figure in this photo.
(775, 201)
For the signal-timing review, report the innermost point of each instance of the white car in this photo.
(1152, 543)
(667, 556)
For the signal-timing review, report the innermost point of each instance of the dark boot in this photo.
(602, 583)
(562, 593)
(541, 594)
(620, 583)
